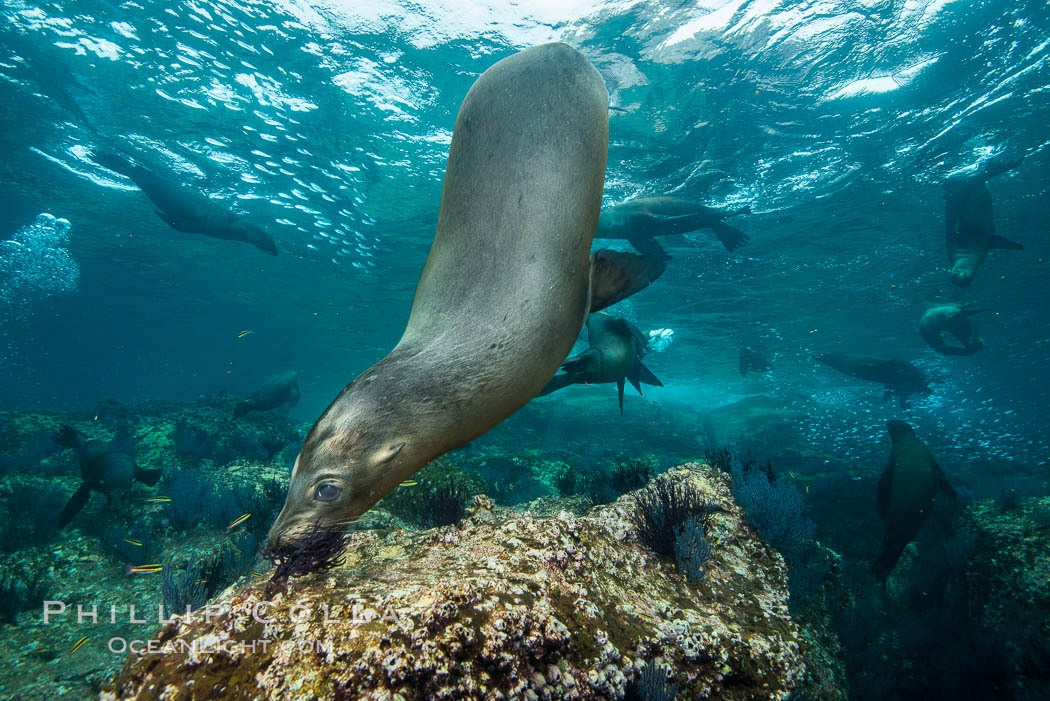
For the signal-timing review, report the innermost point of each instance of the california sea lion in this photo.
(105, 468)
(614, 354)
(275, 392)
(641, 219)
(505, 290)
(969, 220)
(948, 318)
(906, 493)
(899, 377)
(184, 208)
(753, 359)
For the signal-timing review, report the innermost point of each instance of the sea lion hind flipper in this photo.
(633, 379)
(619, 388)
(730, 236)
(997, 241)
(888, 556)
(74, 505)
(616, 276)
(148, 477)
(646, 375)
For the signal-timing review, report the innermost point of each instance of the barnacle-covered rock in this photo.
(507, 605)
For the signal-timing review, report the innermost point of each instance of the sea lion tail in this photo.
(616, 275)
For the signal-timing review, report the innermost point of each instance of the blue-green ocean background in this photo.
(328, 123)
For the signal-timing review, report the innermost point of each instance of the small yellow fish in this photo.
(79, 644)
(145, 569)
(242, 334)
(132, 542)
(792, 475)
(408, 483)
(159, 499)
(646, 616)
(239, 520)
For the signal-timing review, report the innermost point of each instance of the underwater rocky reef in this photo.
(506, 604)
(511, 568)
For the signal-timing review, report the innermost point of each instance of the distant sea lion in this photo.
(105, 468)
(615, 352)
(969, 220)
(641, 219)
(948, 318)
(906, 493)
(503, 295)
(752, 359)
(275, 392)
(185, 208)
(899, 377)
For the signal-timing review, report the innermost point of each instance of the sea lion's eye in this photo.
(327, 492)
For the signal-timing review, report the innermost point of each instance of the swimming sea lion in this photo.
(615, 352)
(899, 377)
(906, 493)
(104, 467)
(969, 220)
(641, 219)
(752, 359)
(503, 295)
(275, 392)
(184, 208)
(948, 318)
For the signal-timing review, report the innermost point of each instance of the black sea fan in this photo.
(319, 551)
(663, 509)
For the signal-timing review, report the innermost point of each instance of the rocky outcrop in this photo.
(507, 605)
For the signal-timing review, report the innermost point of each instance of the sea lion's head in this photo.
(350, 460)
(899, 429)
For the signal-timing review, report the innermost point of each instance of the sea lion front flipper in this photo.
(941, 480)
(173, 222)
(645, 375)
(730, 236)
(74, 505)
(997, 241)
(619, 388)
(557, 382)
(616, 276)
(648, 246)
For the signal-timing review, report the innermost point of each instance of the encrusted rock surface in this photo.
(507, 605)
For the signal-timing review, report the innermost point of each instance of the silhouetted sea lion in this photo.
(753, 360)
(641, 219)
(948, 318)
(505, 291)
(105, 468)
(969, 220)
(899, 377)
(615, 352)
(906, 493)
(184, 208)
(276, 391)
